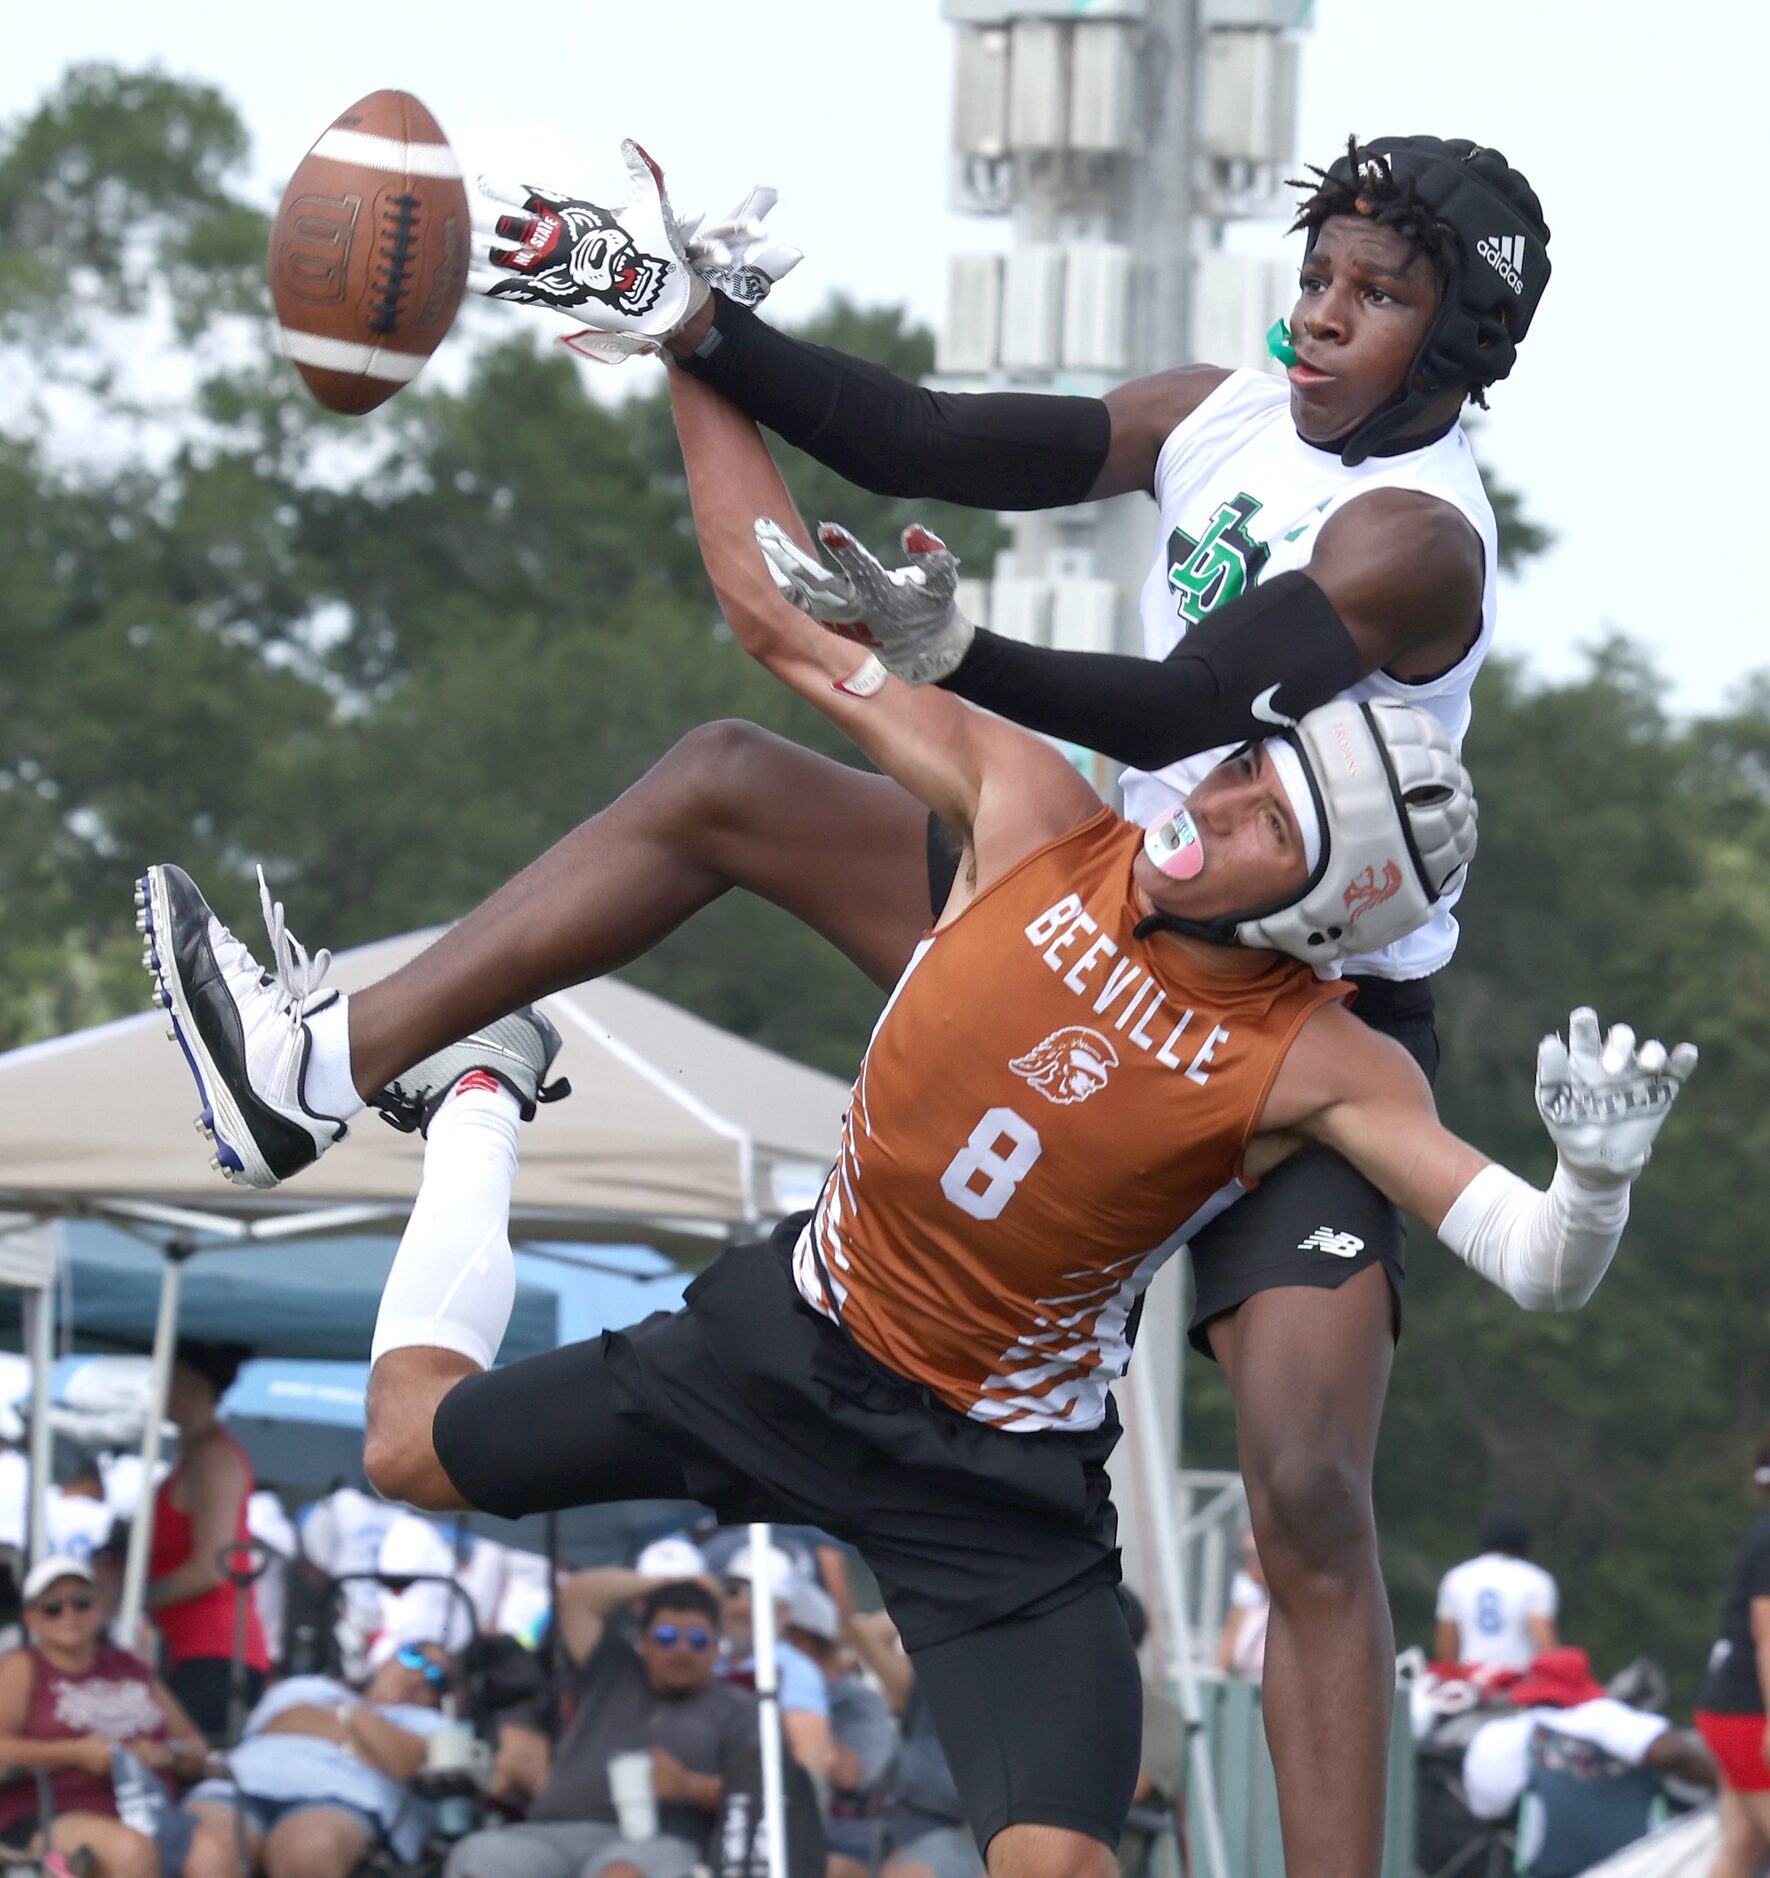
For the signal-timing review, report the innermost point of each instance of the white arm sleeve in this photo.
(1546, 1250)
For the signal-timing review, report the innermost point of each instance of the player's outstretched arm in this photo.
(992, 449)
(1602, 1099)
(1399, 569)
(945, 753)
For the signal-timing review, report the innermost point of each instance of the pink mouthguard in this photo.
(1172, 842)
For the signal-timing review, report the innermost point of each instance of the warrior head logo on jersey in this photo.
(1367, 890)
(571, 251)
(1069, 1066)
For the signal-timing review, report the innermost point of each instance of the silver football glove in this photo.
(1603, 1100)
(735, 254)
(627, 268)
(908, 616)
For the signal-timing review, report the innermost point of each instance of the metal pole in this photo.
(142, 1526)
(762, 1636)
(1152, 1454)
(555, 1656)
(40, 1348)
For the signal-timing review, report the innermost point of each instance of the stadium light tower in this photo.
(1117, 140)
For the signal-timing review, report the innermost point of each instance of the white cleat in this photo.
(243, 1030)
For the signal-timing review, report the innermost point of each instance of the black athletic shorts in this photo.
(989, 1547)
(1314, 1220)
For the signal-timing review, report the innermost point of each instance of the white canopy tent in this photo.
(678, 1135)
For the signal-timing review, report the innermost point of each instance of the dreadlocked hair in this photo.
(1379, 195)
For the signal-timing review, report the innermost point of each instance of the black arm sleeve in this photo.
(1281, 648)
(987, 450)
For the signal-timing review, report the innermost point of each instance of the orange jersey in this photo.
(1047, 1108)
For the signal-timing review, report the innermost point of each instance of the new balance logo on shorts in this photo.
(1505, 254)
(1340, 1245)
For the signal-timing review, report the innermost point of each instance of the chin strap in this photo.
(1219, 932)
(1395, 446)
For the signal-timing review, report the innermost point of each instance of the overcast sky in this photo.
(1630, 424)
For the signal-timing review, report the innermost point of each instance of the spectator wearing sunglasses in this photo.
(66, 1700)
(656, 1694)
(321, 1775)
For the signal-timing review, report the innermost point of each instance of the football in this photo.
(369, 251)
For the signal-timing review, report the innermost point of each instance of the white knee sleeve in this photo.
(453, 1281)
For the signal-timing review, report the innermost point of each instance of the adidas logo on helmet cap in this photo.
(1505, 255)
(1397, 814)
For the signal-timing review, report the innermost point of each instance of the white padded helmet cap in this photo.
(1398, 817)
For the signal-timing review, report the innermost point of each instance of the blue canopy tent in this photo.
(315, 1299)
(301, 1419)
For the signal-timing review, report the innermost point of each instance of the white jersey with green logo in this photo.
(1242, 498)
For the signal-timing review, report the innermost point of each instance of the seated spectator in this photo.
(340, 1535)
(804, 1700)
(76, 1520)
(1497, 1609)
(321, 1775)
(68, 1700)
(15, 1480)
(863, 1735)
(1585, 1767)
(420, 1599)
(1241, 1650)
(658, 1695)
(925, 1826)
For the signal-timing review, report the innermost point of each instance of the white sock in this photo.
(326, 1086)
(453, 1281)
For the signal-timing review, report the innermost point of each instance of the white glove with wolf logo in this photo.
(908, 616)
(1603, 1100)
(727, 254)
(626, 269)
(733, 254)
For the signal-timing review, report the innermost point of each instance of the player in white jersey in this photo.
(1424, 264)
(1497, 1609)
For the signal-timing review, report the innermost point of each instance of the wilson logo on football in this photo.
(1069, 1066)
(1367, 891)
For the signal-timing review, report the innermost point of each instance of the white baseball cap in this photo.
(813, 1610)
(783, 1573)
(673, 1557)
(45, 1573)
(413, 1548)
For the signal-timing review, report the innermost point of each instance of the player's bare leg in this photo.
(1745, 1834)
(399, 1452)
(730, 806)
(1048, 1852)
(283, 1062)
(1309, 1369)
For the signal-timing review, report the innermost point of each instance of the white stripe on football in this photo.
(344, 355)
(387, 153)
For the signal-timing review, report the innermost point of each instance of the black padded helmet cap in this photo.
(1503, 267)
